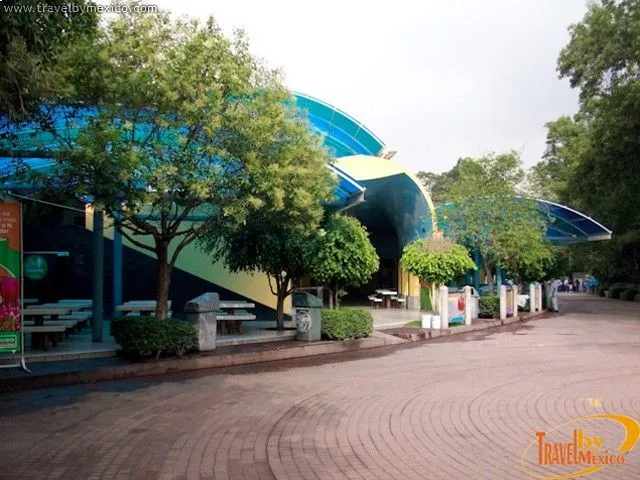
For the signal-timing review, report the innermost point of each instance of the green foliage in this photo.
(182, 337)
(629, 294)
(343, 255)
(489, 306)
(426, 302)
(589, 161)
(277, 233)
(436, 260)
(30, 43)
(604, 50)
(567, 142)
(190, 124)
(344, 323)
(614, 292)
(147, 336)
(485, 213)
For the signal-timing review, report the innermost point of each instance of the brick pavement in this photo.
(445, 410)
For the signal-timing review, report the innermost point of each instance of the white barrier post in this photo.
(444, 307)
(503, 302)
(538, 296)
(532, 298)
(467, 305)
(514, 292)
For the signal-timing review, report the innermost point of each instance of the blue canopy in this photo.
(570, 226)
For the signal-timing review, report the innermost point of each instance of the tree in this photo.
(32, 35)
(276, 238)
(437, 183)
(187, 132)
(604, 49)
(567, 143)
(602, 60)
(436, 260)
(485, 213)
(343, 256)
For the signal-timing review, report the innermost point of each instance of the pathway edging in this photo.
(201, 362)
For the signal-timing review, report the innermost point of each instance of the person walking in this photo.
(555, 285)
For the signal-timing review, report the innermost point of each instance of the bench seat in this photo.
(42, 335)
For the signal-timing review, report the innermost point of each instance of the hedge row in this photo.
(147, 336)
(489, 306)
(343, 323)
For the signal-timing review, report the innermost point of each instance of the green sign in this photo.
(35, 267)
(9, 342)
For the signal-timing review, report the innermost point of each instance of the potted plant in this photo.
(435, 261)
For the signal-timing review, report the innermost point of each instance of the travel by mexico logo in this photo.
(581, 447)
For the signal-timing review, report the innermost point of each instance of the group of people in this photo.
(578, 285)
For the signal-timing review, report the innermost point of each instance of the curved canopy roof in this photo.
(570, 226)
(343, 134)
(393, 192)
(566, 225)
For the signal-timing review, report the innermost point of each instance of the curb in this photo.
(202, 362)
(424, 335)
(214, 361)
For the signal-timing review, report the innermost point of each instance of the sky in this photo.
(434, 80)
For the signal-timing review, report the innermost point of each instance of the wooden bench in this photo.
(42, 335)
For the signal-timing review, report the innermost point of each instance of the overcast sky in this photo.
(435, 80)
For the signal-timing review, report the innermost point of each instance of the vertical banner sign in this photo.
(10, 277)
(456, 308)
(510, 305)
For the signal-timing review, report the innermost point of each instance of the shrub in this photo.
(147, 336)
(489, 306)
(436, 260)
(629, 294)
(182, 337)
(615, 292)
(344, 323)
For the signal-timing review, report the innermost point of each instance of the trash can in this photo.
(307, 315)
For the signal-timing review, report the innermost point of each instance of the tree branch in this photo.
(135, 242)
(271, 286)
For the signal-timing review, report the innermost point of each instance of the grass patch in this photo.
(414, 324)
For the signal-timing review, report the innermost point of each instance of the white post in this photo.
(467, 305)
(532, 297)
(538, 296)
(444, 307)
(503, 302)
(514, 291)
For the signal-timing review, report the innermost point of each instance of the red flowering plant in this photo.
(9, 304)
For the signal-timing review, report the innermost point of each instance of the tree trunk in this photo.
(331, 298)
(487, 267)
(336, 289)
(280, 310)
(163, 279)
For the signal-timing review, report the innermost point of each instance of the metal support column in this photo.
(98, 273)
(117, 268)
(476, 273)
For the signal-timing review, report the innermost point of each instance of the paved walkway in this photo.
(464, 407)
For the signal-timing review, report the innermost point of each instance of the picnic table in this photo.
(387, 294)
(71, 306)
(52, 332)
(37, 313)
(232, 314)
(140, 306)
